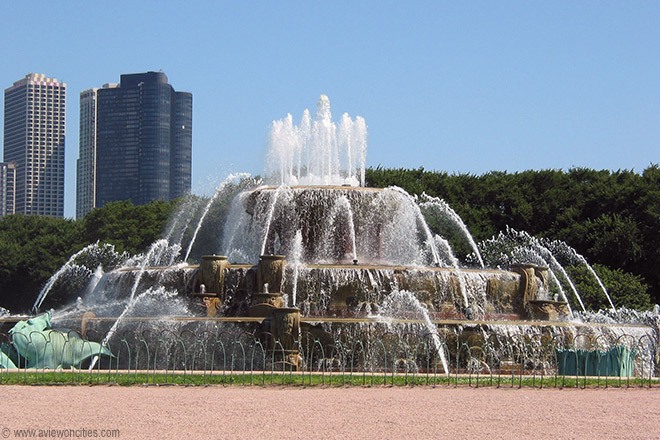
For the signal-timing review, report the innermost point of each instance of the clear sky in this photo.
(462, 87)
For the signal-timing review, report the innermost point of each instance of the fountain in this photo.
(310, 261)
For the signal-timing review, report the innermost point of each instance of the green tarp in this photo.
(617, 361)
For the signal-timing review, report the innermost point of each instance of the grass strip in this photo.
(301, 379)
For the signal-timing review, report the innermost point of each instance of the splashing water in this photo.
(377, 226)
(296, 261)
(269, 218)
(317, 229)
(599, 281)
(317, 152)
(340, 215)
(181, 220)
(154, 256)
(453, 261)
(230, 179)
(511, 247)
(401, 303)
(94, 252)
(524, 255)
(564, 249)
(428, 204)
(158, 292)
(555, 263)
(96, 278)
(430, 242)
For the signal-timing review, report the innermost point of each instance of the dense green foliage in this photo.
(128, 227)
(622, 287)
(612, 218)
(32, 249)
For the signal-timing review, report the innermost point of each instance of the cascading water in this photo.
(93, 255)
(181, 219)
(443, 245)
(430, 242)
(158, 252)
(379, 226)
(296, 256)
(340, 222)
(403, 304)
(152, 257)
(230, 179)
(599, 281)
(269, 220)
(96, 279)
(555, 263)
(159, 293)
(68, 267)
(428, 204)
(560, 247)
(527, 255)
(454, 263)
(513, 247)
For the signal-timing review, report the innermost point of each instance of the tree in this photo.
(128, 227)
(625, 289)
(32, 248)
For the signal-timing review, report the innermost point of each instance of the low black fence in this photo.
(231, 355)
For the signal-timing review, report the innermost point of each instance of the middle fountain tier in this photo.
(341, 251)
(332, 225)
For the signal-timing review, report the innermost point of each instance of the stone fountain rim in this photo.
(394, 267)
(319, 187)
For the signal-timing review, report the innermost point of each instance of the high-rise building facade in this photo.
(143, 140)
(86, 163)
(7, 188)
(34, 134)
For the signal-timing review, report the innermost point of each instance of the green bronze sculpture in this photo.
(5, 361)
(42, 347)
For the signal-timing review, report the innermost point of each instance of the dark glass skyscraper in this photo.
(143, 140)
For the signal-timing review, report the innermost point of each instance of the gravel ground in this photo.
(215, 412)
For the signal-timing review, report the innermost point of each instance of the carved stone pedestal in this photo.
(270, 271)
(284, 334)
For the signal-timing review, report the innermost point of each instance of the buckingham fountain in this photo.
(313, 270)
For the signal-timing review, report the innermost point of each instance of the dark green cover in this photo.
(617, 361)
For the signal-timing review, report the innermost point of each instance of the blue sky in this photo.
(462, 87)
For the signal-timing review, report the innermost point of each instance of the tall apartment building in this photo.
(143, 149)
(86, 163)
(34, 135)
(7, 188)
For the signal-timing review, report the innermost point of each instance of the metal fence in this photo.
(233, 355)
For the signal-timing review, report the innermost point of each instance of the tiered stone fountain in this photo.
(315, 252)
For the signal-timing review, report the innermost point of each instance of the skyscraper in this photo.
(86, 163)
(7, 188)
(34, 142)
(143, 140)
